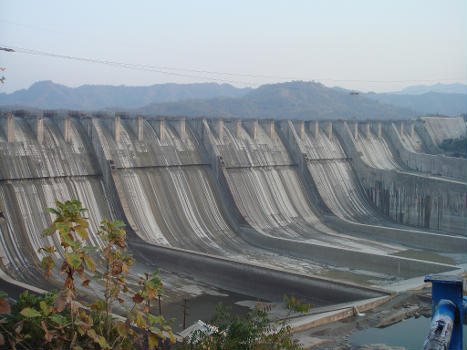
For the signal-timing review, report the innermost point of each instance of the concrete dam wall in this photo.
(35, 173)
(248, 200)
(416, 198)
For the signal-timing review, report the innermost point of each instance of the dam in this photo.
(258, 207)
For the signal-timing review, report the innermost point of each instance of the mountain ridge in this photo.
(295, 100)
(49, 95)
(448, 104)
(455, 88)
(291, 100)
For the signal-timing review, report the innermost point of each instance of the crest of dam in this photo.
(253, 206)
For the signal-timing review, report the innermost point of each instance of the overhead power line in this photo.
(133, 66)
(175, 70)
(6, 49)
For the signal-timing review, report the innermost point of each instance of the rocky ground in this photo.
(336, 335)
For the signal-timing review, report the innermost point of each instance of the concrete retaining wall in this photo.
(303, 323)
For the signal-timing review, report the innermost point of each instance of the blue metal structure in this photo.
(449, 313)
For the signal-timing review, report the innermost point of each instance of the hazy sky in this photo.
(361, 44)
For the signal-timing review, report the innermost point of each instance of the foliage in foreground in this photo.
(251, 332)
(58, 320)
(62, 320)
(297, 305)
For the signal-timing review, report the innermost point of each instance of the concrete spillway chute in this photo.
(117, 128)
(243, 196)
(11, 128)
(220, 129)
(40, 128)
(140, 128)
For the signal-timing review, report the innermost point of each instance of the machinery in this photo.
(449, 313)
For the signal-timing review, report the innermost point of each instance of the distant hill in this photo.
(295, 100)
(48, 95)
(428, 103)
(456, 88)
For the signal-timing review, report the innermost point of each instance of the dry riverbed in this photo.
(337, 335)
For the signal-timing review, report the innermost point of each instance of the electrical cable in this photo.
(172, 70)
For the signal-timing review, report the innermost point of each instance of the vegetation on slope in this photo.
(63, 320)
(49, 95)
(252, 332)
(448, 104)
(455, 147)
(292, 100)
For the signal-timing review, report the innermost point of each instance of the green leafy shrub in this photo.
(297, 305)
(58, 321)
(254, 331)
(455, 147)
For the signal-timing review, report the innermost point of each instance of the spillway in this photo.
(33, 177)
(203, 195)
(440, 129)
(411, 188)
(170, 197)
(410, 139)
(335, 180)
(268, 191)
(375, 151)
